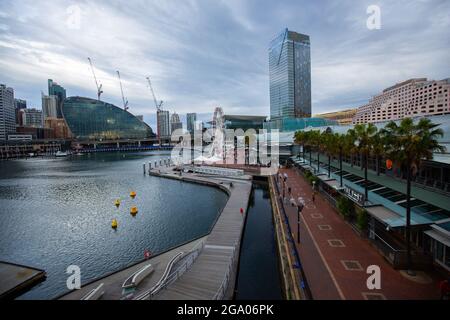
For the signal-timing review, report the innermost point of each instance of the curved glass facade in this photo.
(90, 119)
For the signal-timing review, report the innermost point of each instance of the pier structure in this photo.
(17, 279)
(203, 269)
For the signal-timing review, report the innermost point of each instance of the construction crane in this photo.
(99, 87)
(125, 101)
(157, 105)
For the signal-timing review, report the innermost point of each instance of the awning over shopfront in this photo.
(388, 217)
(438, 237)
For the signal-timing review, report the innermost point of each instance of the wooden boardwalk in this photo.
(212, 276)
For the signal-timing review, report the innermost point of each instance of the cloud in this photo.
(201, 54)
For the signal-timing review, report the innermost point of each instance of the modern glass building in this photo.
(290, 76)
(59, 92)
(191, 118)
(163, 123)
(294, 124)
(90, 119)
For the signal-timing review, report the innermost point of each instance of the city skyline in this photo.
(209, 68)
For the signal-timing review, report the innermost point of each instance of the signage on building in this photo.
(354, 195)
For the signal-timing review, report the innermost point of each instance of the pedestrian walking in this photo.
(293, 204)
(289, 190)
(314, 196)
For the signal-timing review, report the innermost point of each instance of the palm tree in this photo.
(316, 141)
(330, 147)
(364, 137)
(341, 143)
(408, 144)
(378, 148)
(301, 137)
(350, 147)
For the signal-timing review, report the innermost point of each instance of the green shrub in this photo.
(345, 206)
(362, 218)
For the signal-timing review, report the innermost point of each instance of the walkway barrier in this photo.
(215, 171)
(304, 287)
(170, 276)
(224, 285)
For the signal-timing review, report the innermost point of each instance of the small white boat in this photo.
(61, 154)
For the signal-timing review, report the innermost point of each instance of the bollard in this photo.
(149, 167)
(155, 164)
(143, 166)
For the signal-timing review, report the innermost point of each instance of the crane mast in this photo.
(157, 105)
(125, 101)
(99, 87)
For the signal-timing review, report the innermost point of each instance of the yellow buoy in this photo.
(117, 203)
(133, 194)
(134, 211)
(114, 224)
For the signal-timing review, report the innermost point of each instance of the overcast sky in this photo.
(207, 53)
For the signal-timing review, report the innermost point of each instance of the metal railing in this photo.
(224, 285)
(169, 277)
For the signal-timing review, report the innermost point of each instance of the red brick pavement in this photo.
(322, 263)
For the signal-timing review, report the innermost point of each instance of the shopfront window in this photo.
(447, 256)
(439, 254)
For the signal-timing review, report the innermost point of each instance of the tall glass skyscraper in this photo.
(290, 76)
(55, 89)
(191, 118)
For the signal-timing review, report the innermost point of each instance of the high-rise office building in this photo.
(19, 104)
(163, 123)
(49, 106)
(191, 119)
(7, 112)
(31, 118)
(175, 122)
(290, 76)
(59, 92)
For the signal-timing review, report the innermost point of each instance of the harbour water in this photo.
(58, 212)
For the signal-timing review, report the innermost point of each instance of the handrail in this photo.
(169, 276)
(223, 286)
(166, 273)
(129, 282)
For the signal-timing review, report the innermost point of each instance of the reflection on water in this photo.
(58, 212)
(258, 277)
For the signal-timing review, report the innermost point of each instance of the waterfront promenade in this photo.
(212, 274)
(335, 258)
(112, 284)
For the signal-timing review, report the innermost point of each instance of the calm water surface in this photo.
(57, 212)
(259, 276)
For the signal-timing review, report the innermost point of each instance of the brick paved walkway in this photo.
(327, 242)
